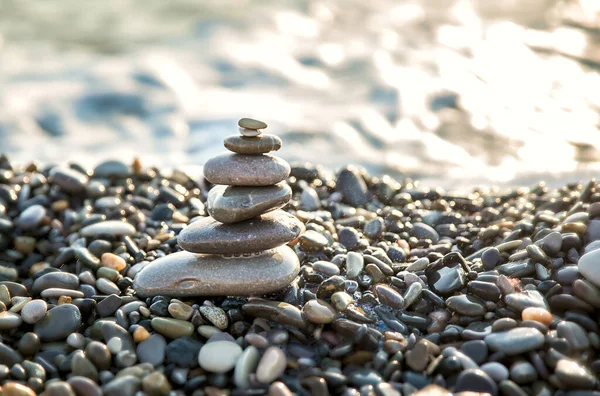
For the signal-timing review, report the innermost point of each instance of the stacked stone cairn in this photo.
(241, 248)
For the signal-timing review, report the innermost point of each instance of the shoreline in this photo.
(400, 288)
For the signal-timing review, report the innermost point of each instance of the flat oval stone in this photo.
(58, 323)
(246, 170)
(111, 227)
(112, 168)
(251, 123)
(275, 311)
(589, 266)
(515, 341)
(319, 311)
(261, 144)
(232, 204)
(249, 132)
(245, 366)
(31, 217)
(185, 274)
(466, 305)
(219, 356)
(271, 366)
(68, 179)
(34, 311)
(261, 233)
(9, 320)
(172, 328)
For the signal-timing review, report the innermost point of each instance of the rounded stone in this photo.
(475, 380)
(60, 280)
(589, 266)
(497, 371)
(249, 132)
(261, 144)
(16, 389)
(31, 217)
(68, 179)
(515, 341)
(112, 168)
(319, 311)
(246, 170)
(58, 323)
(219, 356)
(185, 274)
(215, 315)
(111, 227)
(261, 233)
(172, 328)
(232, 204)
(537, 314)
(573, 375)
(9, 320)
(251, 123)
(34, 311)
(246, 365)
(523, 372)
(466, 305)
(271, 365)
(152, 350)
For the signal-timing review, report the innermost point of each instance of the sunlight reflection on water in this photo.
(458, 92)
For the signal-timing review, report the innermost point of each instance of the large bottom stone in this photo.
(186, 274)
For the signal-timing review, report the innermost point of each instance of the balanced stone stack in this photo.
(241, 248)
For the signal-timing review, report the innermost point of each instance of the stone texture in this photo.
(232, 204)
(266, 232)
(246, 170)
(252, 145)
(185, 274)
(589, 266)
(112, 227)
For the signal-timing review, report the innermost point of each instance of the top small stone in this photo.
(250, 132)
(250, 123)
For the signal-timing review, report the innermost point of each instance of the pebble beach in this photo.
(402, 289)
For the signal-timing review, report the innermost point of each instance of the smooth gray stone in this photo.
(573, 375)
(525, 299)
(352, 187)
(232, 204)
(279, 312)
(31, 217)
(9, 320)
(185, 274)
(68, 179)
(515, 341)
(574, 334)
(517, 269)
(127, 385)
(423, 231)
(589, 266)
(111, 330)
(523, 372)
(475, 380)
(261, 144)
(251, 123)
(246, 170)
(84, 386)
(497, 371)
(112, 168)
(110, 227)
(245, 366)
(466, 305)
(58, 323)
(152, 350)
(52, 280)
(261, 233)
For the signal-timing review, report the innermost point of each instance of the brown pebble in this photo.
(537, 314)
(136, 166)
(60, 205)
(64, 300)
(16, 389)
(113, 261)
(140, 334)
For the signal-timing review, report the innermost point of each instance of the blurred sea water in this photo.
(456, 92)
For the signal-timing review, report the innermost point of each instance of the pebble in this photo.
(538, 314)
(246, 170)
(523, 372)
(172, 328)
(588, 266)
(69, 180)
(354, 264)
(58, 323)
(34, 311)
(475, 380)
(112, 168)
(31, 217)
(466, 305)
(279, 312)
(423, 231)
(84, 386)
(352, 187)
(268, 231)
(113, 261)
(575, 335)
(319, 311)
(152, 350)
(9, 320)
(232, 204)
(180, 311)
(497, 371)
(16, 389)
(113, 228)
(245, 366)
(216, 316)
(515, 341)
(60, 280)
(261, 144)
(156, 384)
(185, 274)
(251, 123)
(574, 376)
(271, 365)
(219, 356)
(183, 352)
(389, 296)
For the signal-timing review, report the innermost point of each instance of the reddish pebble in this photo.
(537, 314)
